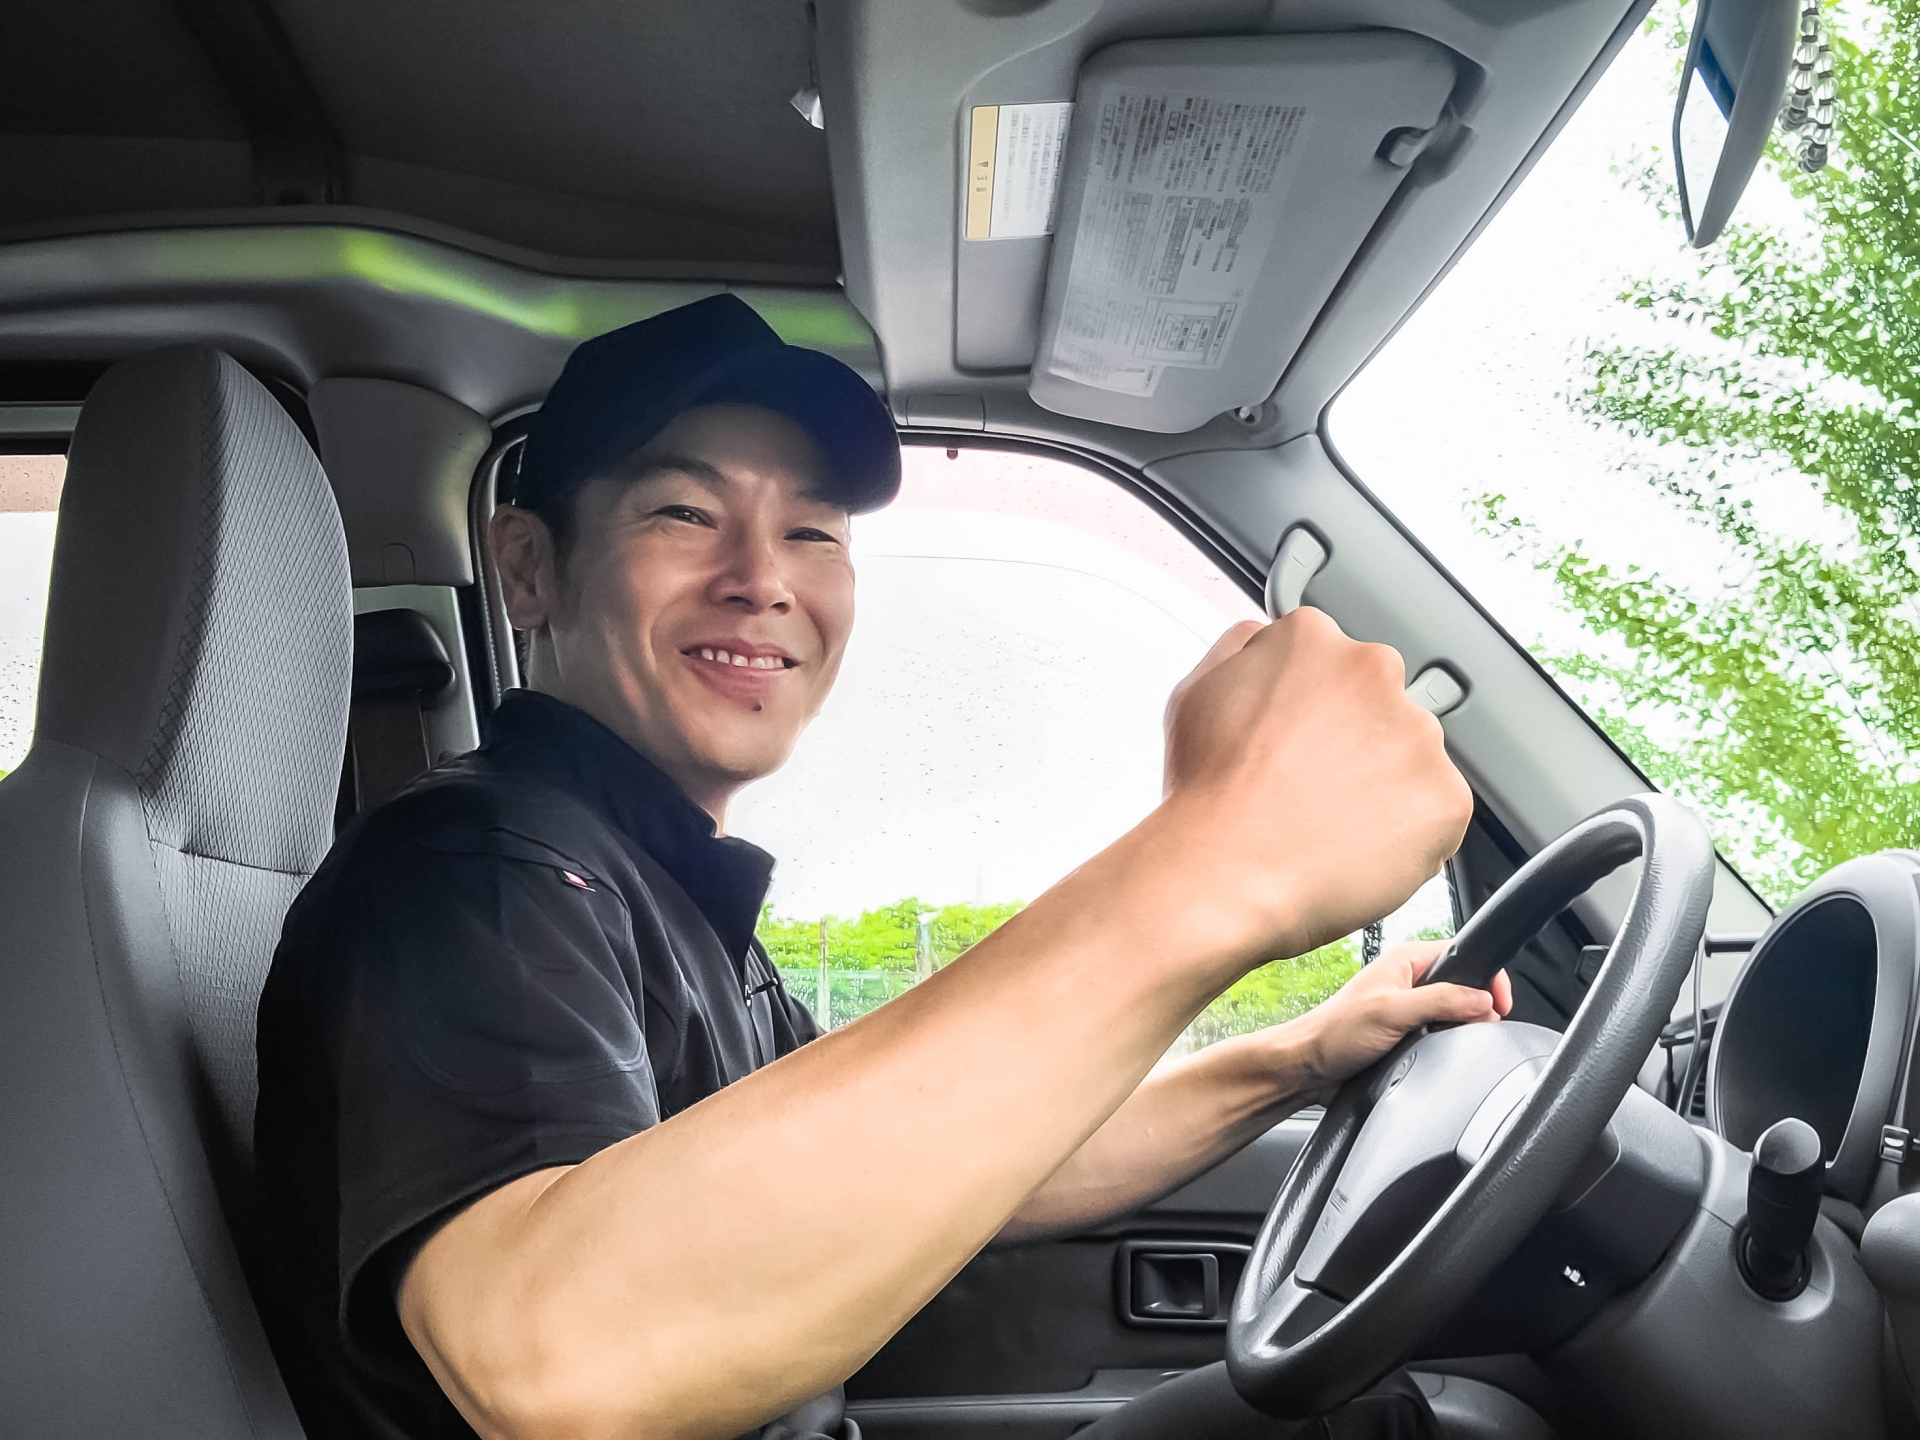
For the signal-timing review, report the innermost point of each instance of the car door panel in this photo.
(1028, 1341)
(1051, 1416)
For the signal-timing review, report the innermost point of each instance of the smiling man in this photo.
(543, 1146)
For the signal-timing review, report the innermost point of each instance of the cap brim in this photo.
(828, 400)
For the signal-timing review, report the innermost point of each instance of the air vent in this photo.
(1697, 1102)
(1677, 1041)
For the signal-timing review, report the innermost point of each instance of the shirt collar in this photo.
(724, 876)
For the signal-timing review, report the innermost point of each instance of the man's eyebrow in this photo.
(704, 474)
(707, 476)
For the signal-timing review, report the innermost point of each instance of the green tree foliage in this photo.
(884, 940)
(1276, 992)
(1786, 701)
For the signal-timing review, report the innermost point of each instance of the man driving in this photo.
(545, 1149)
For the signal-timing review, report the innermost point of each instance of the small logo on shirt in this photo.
(579, 882)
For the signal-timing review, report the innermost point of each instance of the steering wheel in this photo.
(1378, 1236)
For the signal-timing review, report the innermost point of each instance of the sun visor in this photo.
(1212, 193)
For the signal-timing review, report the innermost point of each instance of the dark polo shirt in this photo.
(534, 952)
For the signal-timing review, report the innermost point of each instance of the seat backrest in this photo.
(178, 792)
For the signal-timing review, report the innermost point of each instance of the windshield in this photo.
(1686, 481)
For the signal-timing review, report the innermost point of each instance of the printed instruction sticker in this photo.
(1013, 169)
(1183, 198)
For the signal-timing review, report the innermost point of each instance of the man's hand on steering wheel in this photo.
(1370, 1014)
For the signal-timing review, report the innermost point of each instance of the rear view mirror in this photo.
(1739, 55)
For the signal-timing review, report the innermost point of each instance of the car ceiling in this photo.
(491, 184)
(628, 132)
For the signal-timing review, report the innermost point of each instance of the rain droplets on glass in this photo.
(1811, 92)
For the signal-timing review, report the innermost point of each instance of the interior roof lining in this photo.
(658, 133)
(361, 217)
(309, 302)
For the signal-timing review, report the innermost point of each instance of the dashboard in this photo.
(1819, 1022)
(1818, 1025)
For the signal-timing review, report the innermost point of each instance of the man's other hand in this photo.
(1368, 1015)
(1192, 1113)
(1305, 794)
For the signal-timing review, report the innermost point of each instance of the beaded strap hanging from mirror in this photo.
(1812, 93)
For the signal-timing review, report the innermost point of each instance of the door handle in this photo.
(1179, 1283)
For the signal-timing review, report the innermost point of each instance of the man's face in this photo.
(703, 608)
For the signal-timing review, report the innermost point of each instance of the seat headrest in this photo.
(199, 621)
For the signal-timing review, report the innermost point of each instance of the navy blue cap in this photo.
(621, 389)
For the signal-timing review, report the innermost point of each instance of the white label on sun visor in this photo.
(1013, 169)
(1181, 204)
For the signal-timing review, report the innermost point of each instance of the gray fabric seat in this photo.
(178, 793)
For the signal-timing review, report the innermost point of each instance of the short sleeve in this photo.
(485, 1019)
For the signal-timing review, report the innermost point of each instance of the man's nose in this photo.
(753, 572)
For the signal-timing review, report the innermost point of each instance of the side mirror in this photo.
(1738, 59)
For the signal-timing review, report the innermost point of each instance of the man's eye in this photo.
(683, 512)
(808, 533)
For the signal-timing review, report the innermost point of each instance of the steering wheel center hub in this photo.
(1416, 1144)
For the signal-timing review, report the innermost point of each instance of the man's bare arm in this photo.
(1187, 1117)
(709, 1273)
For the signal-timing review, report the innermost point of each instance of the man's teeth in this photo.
(757, 662)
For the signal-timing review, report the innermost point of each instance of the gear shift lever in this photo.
(1783, 1201)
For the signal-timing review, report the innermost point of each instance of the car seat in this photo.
(178, 793)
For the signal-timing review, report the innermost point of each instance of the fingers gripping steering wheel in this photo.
(1356, 1266)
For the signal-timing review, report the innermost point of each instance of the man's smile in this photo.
(741, 671)
(741, 655)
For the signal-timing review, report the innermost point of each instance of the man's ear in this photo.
(524, 559)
